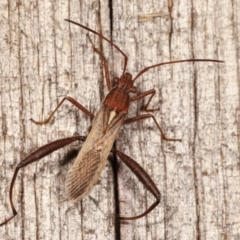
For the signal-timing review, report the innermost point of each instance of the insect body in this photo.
(91, 160)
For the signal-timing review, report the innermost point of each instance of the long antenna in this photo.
(101, 36)
(177, 61)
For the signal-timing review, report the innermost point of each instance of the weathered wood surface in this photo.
(43, 59)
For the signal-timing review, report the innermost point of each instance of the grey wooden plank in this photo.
(43, 60)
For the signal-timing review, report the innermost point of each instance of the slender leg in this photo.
(142, 95)
(105, 62)
(35, 156)
(71, 100)
(144, 116)
(144, 178)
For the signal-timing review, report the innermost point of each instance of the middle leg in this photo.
(145, 116)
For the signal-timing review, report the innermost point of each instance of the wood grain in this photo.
(43, 59)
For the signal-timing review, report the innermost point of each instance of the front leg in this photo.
(142, 95)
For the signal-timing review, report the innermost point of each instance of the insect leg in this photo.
(71, 100)
(105, 62)
(144, 178)
(35, 156)
(144, 116)
(142, 95)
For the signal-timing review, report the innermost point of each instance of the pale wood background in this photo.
(43, 59)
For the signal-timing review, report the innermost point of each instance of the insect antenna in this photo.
(101, 36)
(171, 62)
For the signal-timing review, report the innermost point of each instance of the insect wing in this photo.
(91, 160)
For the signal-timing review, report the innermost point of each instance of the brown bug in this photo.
(106, 124)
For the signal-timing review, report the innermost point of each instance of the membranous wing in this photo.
(81, 176)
